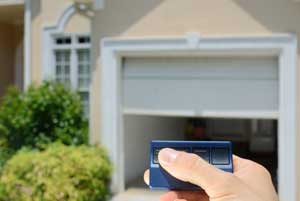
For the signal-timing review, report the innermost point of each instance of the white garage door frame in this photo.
(284, 47)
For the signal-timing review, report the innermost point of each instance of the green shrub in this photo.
(41, 115)
(5, 152)
(59, 173)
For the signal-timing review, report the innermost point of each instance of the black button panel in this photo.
(202, 152)
(217, 153)
(155, 155)
(181, 149)
(220, 156)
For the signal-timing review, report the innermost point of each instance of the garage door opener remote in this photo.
(217, 153)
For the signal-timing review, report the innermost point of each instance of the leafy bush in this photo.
(41, 115)
(4, 151)
(60, 173)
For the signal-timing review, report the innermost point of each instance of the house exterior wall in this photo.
(6, 57)
(19, 56)
(46, 13)
(78, 24)
(167, 18)
(10, 39)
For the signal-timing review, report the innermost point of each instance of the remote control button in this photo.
(203, 153)
(157, 150)
(220, 156)
(182, 149)
(155, 155)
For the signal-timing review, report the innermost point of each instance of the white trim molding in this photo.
(204, 114)
(27, 44)
(284, 47)
(47, 41)
(12, 2)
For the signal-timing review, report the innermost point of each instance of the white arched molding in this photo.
(47, 41)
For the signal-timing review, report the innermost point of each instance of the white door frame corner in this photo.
(283, 46)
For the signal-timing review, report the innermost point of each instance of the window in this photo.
(62, 67)
(72, 64)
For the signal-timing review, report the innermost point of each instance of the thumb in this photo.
(191, 168)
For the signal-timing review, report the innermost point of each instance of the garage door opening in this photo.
(225, 77)
(202, 86)
(253, 139)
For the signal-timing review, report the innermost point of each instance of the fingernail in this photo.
(167, 156)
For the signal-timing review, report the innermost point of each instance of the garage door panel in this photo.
(200, 95)
(203, 68)
(162, 84)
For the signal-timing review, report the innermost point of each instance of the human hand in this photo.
(249, 182)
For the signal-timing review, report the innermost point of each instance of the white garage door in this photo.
(201, 84)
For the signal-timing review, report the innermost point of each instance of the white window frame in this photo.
(49, 33)
(284, 47)
(74, 64)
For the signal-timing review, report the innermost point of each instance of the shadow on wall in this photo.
(6, 57)
(119, 19)
(135, 18)
(278, 16)
(35, 8)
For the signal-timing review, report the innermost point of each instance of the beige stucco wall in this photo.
(79, 23)
(46, 13)
(154, 18)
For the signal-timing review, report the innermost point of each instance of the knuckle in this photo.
(263, 171)
(188, 161)
(228, 181)
(194, 163)
(259, 169)
(226, 184)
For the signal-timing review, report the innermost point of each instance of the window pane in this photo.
(58, 57)
(58, 70)
(83, 39)
(83, 68)
(63, 40)
(68, 40)
(85, 101)
(67, 70)
(59, 41)
(62, 66)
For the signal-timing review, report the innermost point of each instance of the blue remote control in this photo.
(217, 153)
